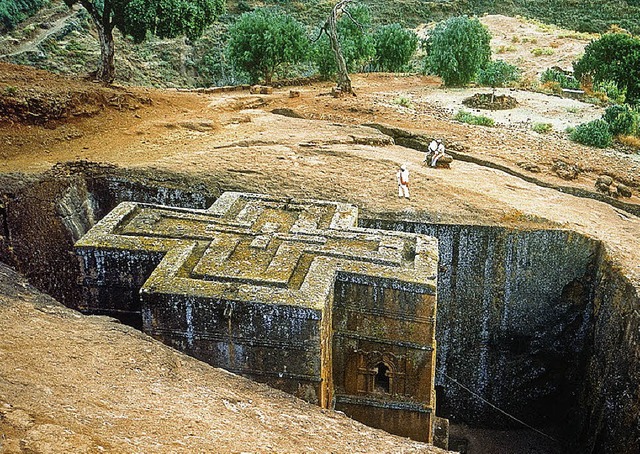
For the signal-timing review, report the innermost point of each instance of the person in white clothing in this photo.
(431, 149)
(403, 181)
(438, 153)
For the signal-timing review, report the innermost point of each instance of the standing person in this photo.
(403, 181)
(438, 154)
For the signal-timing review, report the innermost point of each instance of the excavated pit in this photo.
(537, 322)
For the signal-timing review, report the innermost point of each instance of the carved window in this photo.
(382, 379)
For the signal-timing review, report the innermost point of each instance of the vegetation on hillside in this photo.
(12, 12)
(138, 19)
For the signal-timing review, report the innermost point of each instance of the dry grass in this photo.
(630, 141)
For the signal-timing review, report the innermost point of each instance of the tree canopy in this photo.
(614, 57)
(497, 73)
(457, 48)
(394, 46)
(262, 41)
(355, 42)
(138, 18)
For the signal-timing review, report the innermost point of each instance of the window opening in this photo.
(382, 378)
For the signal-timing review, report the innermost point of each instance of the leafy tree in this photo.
(262, 41)
(394, 46)
(137, 18)
(497, 74)
(356, 45)
(615, 57)
(457, 48)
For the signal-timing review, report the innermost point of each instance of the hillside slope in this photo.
(63, 40)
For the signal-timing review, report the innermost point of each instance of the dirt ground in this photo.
(89, 385)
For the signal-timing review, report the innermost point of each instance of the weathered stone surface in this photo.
(261, 90)
(288, 292)
(514, 310)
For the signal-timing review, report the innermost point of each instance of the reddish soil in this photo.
(72, 383)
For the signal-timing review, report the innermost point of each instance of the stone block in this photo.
(287, 292)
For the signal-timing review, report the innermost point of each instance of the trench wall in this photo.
(539, 322)
(609, 399)
(513, 320)
(42, 216)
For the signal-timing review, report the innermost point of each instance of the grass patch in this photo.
(630, 141)
(542, 128)
(404, 102)
(504, 49)
(467, 117)
(538, 51)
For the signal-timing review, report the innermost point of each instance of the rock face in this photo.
(607, 185)
(287, 292)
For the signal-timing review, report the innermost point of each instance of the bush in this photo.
(467, 117)
(394, 47)
(497, 74)
(263, 41)
(621, 120)
(542, 128)
(553, 75)
(357, 44)
(457, 48)
(610, 88)
(596, 133)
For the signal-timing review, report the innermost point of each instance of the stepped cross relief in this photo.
(287, 292)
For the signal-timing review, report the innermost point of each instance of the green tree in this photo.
(497, 73)
(394, 46)
(356, 43)
(262, 41)
(457, 48)
(137, 18)
(615, 57)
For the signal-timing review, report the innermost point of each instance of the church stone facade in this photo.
(286, 292)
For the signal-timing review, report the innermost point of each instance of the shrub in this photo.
(553, 75)
(262, 41)
(610, 88)
(596, 133)
(457, 48)
(497, 74)
(467, 117)
(394, 47)
(403, 101)
(542, 128)
(621, 120)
